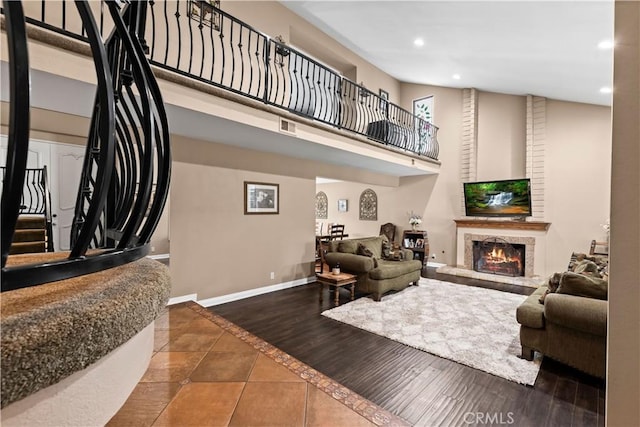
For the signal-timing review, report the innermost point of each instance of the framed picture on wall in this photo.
(343, 205)
(261, 198)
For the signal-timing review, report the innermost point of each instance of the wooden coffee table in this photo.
(336, 280)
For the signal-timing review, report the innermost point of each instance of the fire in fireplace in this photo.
(497, 256)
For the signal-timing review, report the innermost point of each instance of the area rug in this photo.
(473, 326)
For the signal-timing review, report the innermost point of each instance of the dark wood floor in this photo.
(423, 389)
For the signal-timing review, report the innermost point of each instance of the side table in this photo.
(336, 280)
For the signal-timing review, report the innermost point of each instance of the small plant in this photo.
(415, 220)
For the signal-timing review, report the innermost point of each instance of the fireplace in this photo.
(497, 256)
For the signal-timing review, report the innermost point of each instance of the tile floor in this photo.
(206, 371)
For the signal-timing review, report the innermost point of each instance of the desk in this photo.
(336, 280)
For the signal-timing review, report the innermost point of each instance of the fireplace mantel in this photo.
(502, 224)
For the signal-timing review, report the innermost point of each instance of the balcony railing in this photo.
(197, 40)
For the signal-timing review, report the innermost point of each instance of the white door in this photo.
(64, 165)
(65, 170)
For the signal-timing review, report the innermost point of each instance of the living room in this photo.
(208, 230)
(568, 131)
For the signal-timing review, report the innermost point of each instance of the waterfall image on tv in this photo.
(498, 198)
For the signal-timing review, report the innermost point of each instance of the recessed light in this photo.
(418, 42)
(605, 44)
(456, 77)
(605, 90)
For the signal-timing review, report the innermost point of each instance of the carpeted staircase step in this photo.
(30, 222)
(29, 235)
(27, 247)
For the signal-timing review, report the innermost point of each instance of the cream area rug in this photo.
(473, 326)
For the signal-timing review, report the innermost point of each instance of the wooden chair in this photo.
(599, 248)
(336, 232)
(388, 230)
(321, 248)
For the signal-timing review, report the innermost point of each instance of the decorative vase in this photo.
(413, 227)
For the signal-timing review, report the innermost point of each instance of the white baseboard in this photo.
(435, 264)
(254, 292)
(183, 298)
(159, 256)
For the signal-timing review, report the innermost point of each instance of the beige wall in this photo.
(577, 176)
(351, 191)
(217, 250)
(501, 136)
(437, 197)
(623, 355)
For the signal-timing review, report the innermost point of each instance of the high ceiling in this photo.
(545, 48)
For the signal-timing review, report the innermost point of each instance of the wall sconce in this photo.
(205, 12)
(281, 50)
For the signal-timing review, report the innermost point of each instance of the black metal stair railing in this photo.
(36, 198)
(128, 144)
(197, 40)
(18, 139)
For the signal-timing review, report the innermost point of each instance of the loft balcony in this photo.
(200, 47)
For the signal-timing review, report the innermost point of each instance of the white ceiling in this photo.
(544, 48)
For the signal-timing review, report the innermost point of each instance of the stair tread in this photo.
(29, 235)
(30, 222)
(27, 247)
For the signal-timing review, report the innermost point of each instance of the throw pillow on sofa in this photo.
(583, 286)
(552, 286)
(386, 249)
(348, 246)
(587, 267)
(363, 250)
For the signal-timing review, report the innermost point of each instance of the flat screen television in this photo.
(506, 198)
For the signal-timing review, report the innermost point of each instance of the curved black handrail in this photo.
(100, 149)
(118, 224)
(18, 143)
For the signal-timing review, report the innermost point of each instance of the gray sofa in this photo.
(567, 326)
(375, 275)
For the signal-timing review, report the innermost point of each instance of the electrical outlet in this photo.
(273, 275)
